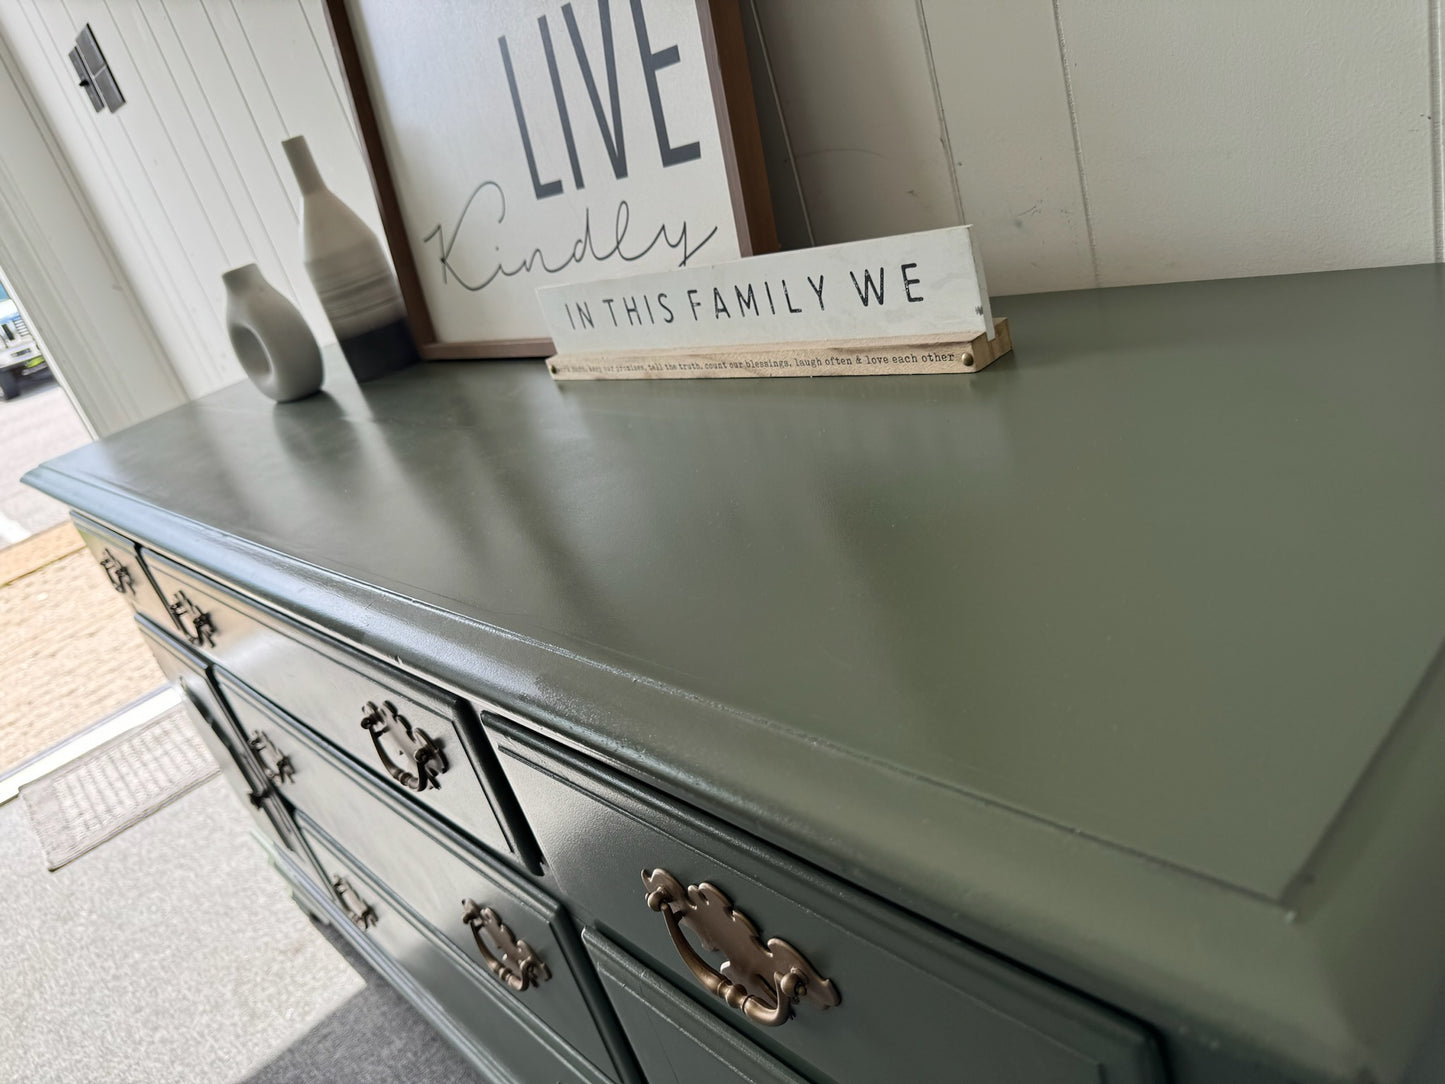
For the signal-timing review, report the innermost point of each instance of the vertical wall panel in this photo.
(42, 59)
(853, 79)
(188, 177)
(1235, 138)
(790, 211)
(166, 121)
(258, 188)
(321, 41)
(1001, 84)
(297, 80)
(265, 79)
(139, 148)
(263, 216)
(93, 326)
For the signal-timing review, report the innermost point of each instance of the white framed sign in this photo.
(521, 143)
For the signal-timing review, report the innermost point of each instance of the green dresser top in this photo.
(1166, 579)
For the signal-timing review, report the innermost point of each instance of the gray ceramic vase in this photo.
(351, 274)
(270, 337)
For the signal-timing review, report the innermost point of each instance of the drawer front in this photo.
(907, 994)
(434, 874)
(216, 728)
(676, 1042)
(127, 573)
(511, 1042)
(407, 733)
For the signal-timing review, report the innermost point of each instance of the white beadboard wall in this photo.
(1112, 142)
(1091, 142)
(188, 176)
(57, 261)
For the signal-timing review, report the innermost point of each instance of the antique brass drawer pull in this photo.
(416, 746)
(118, 572)
(275, 764)
(202, 629)
(519, 967)
(764, 982)
(357, 909)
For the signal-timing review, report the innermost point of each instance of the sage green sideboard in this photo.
(1101, 688)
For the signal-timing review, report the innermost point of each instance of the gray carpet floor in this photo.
(174, 953)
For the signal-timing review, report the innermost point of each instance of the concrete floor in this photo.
(173, 953)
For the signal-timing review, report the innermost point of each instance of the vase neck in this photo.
(239, 278)
(303, 165)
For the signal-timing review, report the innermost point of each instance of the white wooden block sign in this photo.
(911, 303)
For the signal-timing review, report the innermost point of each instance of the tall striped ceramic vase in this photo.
(351, 274)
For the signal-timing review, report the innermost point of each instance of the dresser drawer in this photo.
(675, 1041)
(121, 562)
(187, 671)
(437, 876)
(516, 1048)
(417, 738)
(906, 993)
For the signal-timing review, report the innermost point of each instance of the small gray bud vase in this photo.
(270, 336)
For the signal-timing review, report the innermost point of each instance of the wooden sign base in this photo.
(855, 357)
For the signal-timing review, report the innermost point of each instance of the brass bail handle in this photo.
(202, 628)
(118, 572)
(426, 759)
(275, 765)
(519, 967)
(723, 928)
(357, 909)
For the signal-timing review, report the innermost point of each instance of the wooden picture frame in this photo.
(724, 52)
